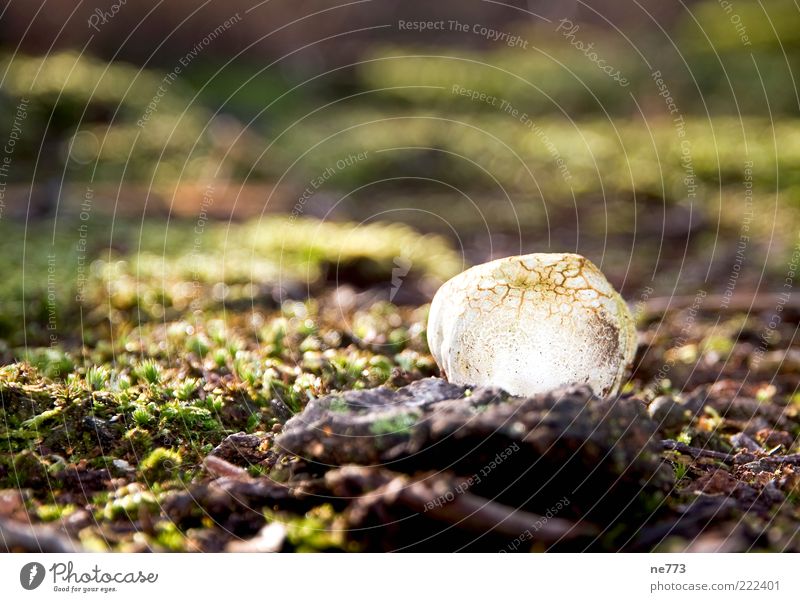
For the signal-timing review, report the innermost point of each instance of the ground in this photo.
(173, 410)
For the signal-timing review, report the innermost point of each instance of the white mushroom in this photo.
(532, 323)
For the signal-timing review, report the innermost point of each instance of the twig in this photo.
(790, 459)
(696, 452)
(740, 458)
(466, 510)
(480, 515)
(222, 468)
(756, 302)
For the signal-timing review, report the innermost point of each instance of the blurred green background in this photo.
(276, 149)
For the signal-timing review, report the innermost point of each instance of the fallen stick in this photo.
(696, 452)
(465, 511)
(756, 302)
(790, 459)
(740, 458)
(222, 468)
(480, 515)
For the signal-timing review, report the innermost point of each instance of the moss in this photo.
(339, 405)
(23, 469)
(97, 377)
(400, 424)
(128, 502)
(149, 371)
(137, 442)
(157, 275)
(161, 464)
(320, 529)
(54, 512)
(169, 537)
(40, 419)
(681, 469)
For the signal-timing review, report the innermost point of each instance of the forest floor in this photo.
(181, 409)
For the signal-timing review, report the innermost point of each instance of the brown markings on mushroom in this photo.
(607, 334)
(540, 280)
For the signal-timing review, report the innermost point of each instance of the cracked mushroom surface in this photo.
(532, 323)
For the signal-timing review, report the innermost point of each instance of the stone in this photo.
(524, 452)
(242, 449)
(668, 414)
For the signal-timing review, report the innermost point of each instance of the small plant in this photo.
(149, 371)
(245, 369)
(142, 417)
(220, 358)
(218, 333)
(681, 471)
(274, 337)
(97, 377)
(191, 417)
(139, 441)
(316, 530)
(198, 345)
(185, 389)
(122, 382)
(161, 464)
(37, 421)
(380, 368)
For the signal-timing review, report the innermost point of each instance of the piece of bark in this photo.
(16, 536)
(222, 468)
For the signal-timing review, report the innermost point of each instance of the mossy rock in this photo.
(524, 452)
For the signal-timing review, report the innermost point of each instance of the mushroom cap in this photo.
(532, 323)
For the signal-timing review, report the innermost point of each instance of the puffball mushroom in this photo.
(532, 323)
